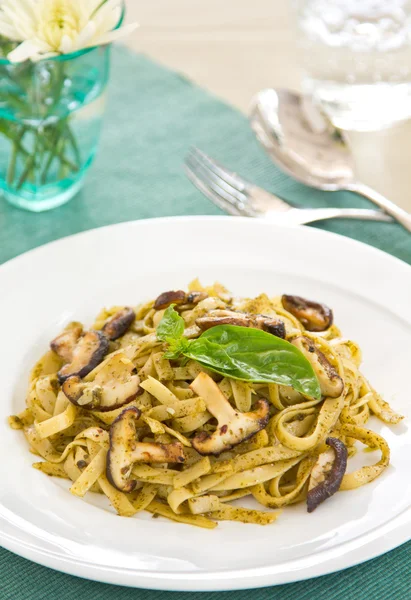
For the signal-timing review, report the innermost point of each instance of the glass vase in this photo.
(50, 121)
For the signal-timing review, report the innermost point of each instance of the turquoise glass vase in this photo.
(50, 121)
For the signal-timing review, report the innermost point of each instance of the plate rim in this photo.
(396, 535)
(218, 218)
(398, 529)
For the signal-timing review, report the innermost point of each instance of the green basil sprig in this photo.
(241, 353)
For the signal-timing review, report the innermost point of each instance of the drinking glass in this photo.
(356, 57)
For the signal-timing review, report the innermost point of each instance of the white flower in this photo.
(47, 28)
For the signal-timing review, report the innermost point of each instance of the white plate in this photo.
(73, 278)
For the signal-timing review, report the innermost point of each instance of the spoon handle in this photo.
(303, 216)
(399, 214)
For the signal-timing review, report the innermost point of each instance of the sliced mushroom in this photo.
(327, 474)
(113, 386)
(233, 427)
(166, 298)
(229, 317)
(271, 325)
(331, 383)
(314, 316)
(222, 317)
(63, 345)
(89, 351)
(196, 297)
(125, 450)
(119, 323)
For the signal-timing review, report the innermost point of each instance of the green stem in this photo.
(67, 136)
(16, 148)
(52, 154)
(53, 142)
(11, 171)
(68, 163)
(55, 146)
(74, 145)
(63, 168)
(30, 163)
(59, 155)
(58, 84)
(22, 149)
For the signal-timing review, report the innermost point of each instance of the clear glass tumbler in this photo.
(356, 56)
(50, 120)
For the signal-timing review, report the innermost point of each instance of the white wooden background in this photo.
(235, 48)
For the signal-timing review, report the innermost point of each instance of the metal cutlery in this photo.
(304, 143)
(238, 197)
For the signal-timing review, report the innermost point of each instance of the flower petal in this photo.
(85, 35)
(92, 23)
(110, 5)
(66, 44)
(24, 51)
(22, 22)
(111, 36)
(94, 6)
(28, 6)
(8, 31)
(108, 16)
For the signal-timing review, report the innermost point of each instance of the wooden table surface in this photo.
(237, 47)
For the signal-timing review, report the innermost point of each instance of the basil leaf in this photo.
(176, 348)
(254, 355)
(241, 353)
(171, 326)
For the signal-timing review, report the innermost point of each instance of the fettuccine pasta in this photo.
(115, 412)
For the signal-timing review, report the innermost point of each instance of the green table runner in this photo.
(153, 116)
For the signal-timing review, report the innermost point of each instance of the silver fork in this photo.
(238, 197)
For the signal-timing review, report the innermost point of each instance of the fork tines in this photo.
(226, 189)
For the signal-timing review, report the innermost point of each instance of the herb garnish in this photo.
(241, 353)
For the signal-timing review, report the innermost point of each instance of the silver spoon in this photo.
(304, 143)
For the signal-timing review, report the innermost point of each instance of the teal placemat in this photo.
(153, 116)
